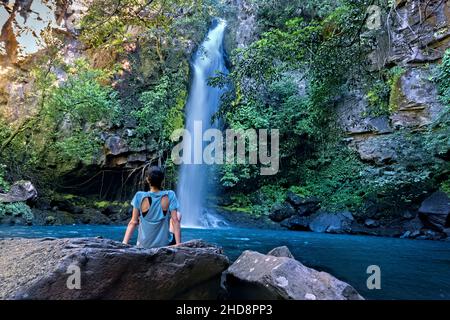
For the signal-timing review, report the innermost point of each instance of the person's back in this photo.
(154, 218)
(155, 212)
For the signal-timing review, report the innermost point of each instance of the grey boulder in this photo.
(435, 211)
(40, 269)
(296, 223)
(332, 222)
(19, 191)
(281, 211)
(258, 276)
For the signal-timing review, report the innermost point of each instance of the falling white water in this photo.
(202, 103)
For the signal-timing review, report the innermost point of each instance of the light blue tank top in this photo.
(154, 227)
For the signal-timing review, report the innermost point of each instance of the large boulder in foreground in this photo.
(19, 191)
(258, 276)
(37, 269)
(435, 211)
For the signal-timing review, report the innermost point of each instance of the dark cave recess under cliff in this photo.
(112, 184)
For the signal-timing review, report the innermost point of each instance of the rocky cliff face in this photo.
(242, 24)
(418, 36)
(414, 40)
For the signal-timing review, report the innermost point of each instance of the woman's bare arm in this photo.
(176, 226)
(134, 222)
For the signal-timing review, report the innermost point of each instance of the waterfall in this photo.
(203, 102)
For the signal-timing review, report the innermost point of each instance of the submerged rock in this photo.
(40, 269)
(258, 276)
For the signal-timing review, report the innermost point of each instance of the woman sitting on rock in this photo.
(156, 214)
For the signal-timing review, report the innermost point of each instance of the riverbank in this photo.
(429, 220)
(118, 214)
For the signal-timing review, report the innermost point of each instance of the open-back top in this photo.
(154, 230)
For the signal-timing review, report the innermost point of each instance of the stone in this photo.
(340, 222)
(19, 191)
(49, 220)
(380, 151)
(304, 206)
(265, 277)
(353, 112)
(66, 205)
(14, 221)
(408, 215)
(246, 29)
(447, 232)
(407, 234)
(281, 252)
(296, 223)
(417, 102)
(417, 38)
(371, 223)
(39, 269)
(308, 206)
(281, 211)
(93, 216)
(44, 217)
(434, 211)
(115, 146)
(112, 210)
(293, 199)
(414, 225)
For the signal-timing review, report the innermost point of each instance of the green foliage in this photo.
(378, 98)
(4, 185)
(73, 110)
(384, 95)
(291, 77)
(161, 111)
(335, 176)
(445, 186)
(273, 13)
(16, 209)
(64, 128)
(110, 23)
(438, 140)
(266, 197)
(259, 202)
(443, 79)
